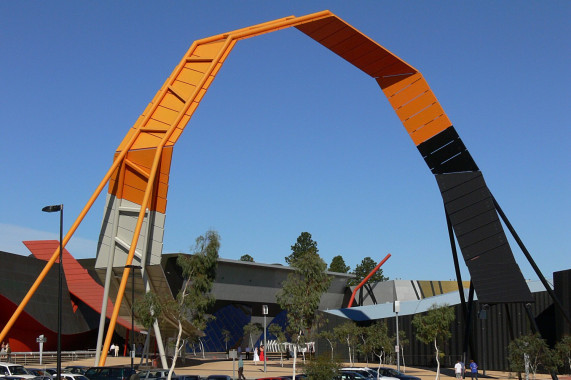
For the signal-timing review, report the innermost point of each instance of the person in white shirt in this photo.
(458, 370)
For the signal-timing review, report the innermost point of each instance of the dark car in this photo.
(219, 377)
(156, 374)
(78, 369)
(39, 372)
(109, 373)
(390, 372)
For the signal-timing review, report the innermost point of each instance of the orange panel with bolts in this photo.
(422, 118)
(416, 105)
(431, 129)
(394, 85)
(407, 94)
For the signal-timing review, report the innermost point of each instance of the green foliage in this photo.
(199, 273)
(563, 349)
(188, 310)
(252, 329)
(532, 351)
(338, 265)
(302, 290)
(148, 308)
(227, 336)
(247, 257)
(434, 326)
(362, 270)
(303, 245)
(322, 368)
(348, 333)
(376, 340)
(276, 330)
(329, 337)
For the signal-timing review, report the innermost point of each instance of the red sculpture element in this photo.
(367, 279)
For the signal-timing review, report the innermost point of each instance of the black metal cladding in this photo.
(446, 153)
(482, 240)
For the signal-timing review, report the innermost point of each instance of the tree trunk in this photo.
(331, 344)
(437, 360)
(349, 347)
(173, 364)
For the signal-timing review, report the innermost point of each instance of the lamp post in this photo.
(396, 306)
(59, 208)
(265, 312)
(133, 267)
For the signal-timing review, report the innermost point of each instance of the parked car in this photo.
(38, 372)
(189, 377)
(109, 373)
(370, 373)
(72, 376)
(219, 377)
(79, 369)
(367, 372)
(352, 375)
(156, 374)
(14, 370)
(301, 376)
(391, 372)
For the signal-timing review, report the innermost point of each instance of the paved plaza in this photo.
(205, 368)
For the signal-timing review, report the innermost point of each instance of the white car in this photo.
(14, 370)
(71, 376)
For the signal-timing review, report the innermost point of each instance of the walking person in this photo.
(473, 370)
(241, 369)
(458, 370)
(8, 353)
(256, 356)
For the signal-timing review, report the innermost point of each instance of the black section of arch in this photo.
(446, 153)
(482, 240)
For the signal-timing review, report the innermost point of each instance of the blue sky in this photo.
(290, 137)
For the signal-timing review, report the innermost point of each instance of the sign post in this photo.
(396, 307)
(41, 340)
(233, 354)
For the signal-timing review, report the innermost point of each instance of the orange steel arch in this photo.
(140, 170)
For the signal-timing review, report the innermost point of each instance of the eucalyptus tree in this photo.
(348, 333)
(528, 352)
(302, 290)
(434, 327)
(188, 311)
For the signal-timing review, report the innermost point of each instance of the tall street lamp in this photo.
(133, 267)
(59, 208)
(265, 312)
(396, 307)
